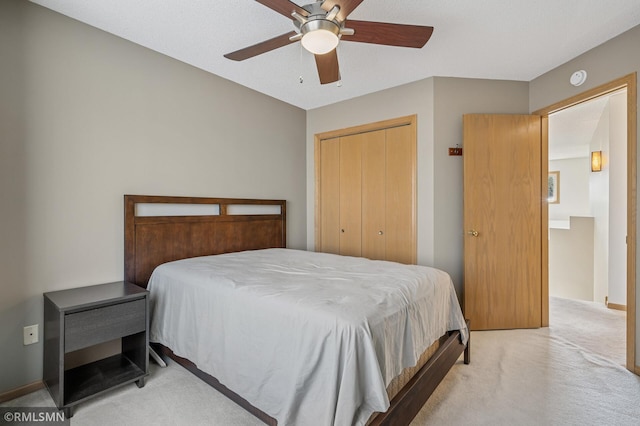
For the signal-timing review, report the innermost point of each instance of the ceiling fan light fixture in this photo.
(320, 26)
(320, 36)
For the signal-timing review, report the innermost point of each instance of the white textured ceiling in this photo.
(493, 39)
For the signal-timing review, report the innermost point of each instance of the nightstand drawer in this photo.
(87, 328)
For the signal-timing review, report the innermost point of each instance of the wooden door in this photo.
(503, 204)
(400, 190)
(374, 176)
(330, 194)
(351, 195)
(366, 196)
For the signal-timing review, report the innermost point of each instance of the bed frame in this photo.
(152, 240)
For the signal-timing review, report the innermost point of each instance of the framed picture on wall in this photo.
(553, 186)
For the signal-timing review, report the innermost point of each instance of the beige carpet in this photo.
(550, 376)
(591, 326)
(568, 374)
(171, 396)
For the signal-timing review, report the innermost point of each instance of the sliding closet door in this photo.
(369, 189)
(330, 194)
(351, 195)
(400, 189)
(374, 195)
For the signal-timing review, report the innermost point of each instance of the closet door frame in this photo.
(410, 121)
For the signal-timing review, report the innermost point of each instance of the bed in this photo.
(237, 254)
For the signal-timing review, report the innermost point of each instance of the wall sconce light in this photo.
(596, 161)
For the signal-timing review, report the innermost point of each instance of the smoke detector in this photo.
(578, 77)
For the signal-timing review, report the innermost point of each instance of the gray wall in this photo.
(86, 117)
(439, 103)
(611, 60)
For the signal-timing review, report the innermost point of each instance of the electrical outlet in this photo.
(31, 334)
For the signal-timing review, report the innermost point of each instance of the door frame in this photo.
(630, 83)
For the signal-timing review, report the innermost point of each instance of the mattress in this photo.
(308, 338)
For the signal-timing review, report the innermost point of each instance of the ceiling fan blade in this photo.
(346, 7)
(265, 46)
(389, 34)
(284, 7)
(328, 68)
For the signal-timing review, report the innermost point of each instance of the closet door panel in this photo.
(366, 190)
(373, 195)
(330, 195)
(351, 195)
(400, 195)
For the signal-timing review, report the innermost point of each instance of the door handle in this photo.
(473, 233)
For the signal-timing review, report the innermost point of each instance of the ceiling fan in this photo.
(321, 25)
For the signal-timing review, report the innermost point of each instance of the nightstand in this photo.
(77, 318)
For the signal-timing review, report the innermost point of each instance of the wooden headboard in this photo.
(153, 237)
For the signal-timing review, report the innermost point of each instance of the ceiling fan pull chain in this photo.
(301, 78)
